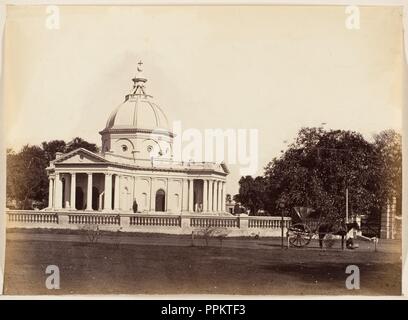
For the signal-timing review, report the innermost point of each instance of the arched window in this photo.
(160, 200)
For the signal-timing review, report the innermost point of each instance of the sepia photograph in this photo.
(217, 150)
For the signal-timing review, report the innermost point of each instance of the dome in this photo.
(138, 111)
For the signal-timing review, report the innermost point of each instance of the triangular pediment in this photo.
(225, 168)
(80, 156)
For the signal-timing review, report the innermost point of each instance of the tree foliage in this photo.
(388, 148)
(52, 147)
(251, 193)
(26, 176)
(317, 168)
(80, 143)
(27, 180)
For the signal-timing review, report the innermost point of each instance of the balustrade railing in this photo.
(32, 217)
(162, 221)
(66, 219)
(273, 222)
(204, 222)
(102, 219)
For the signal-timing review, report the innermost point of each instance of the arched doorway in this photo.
(95, 198)
(79, 198)
(160, 200)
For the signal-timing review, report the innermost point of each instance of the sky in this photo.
(271, 68)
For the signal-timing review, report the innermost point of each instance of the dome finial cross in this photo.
(139, 66)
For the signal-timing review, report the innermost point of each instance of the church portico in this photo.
(117, 191)
(134, 170)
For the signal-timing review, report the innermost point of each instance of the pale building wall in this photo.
(157, 184)
(126, 193)
(142, 193)
(184, 200)
(175, 193)
(138, 145)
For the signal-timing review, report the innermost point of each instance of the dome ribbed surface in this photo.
(139, 112)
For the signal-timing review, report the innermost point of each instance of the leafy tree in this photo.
(80, 143)
(251, 193)
(26, 176)
(27, 179)
(318, 167)
(52, 147)
(388, 148)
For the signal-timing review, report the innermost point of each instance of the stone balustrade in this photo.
(242, 225)
(32, 217)
(266, 222)
(155, 220)
(103, 219)
(217, 222)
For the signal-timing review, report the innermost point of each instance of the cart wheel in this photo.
(299, 235)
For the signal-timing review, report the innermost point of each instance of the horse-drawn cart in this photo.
(301, 232)
(308, 224)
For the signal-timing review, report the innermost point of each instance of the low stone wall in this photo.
(232, 226)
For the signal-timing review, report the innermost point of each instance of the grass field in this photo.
(174, 266)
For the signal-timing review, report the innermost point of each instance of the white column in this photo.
(224, 191)
(73, 191)
(51, 193)
(210, 195)
(58, 191)
(219, 196)
(152, 197)
(116, 205)
(134, 193)
(166, 202)
(191, 196)
(131, 183)
(205, 196)
(184, 203)
(107, 206)
(215, 196)
(89, 193)
(67, 186)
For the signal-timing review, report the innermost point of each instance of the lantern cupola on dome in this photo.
(142, 120)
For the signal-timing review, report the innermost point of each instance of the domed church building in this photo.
(135, 170)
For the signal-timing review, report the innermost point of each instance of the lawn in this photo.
(180, 268)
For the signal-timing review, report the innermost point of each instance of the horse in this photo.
(338, 228)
